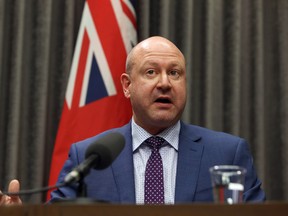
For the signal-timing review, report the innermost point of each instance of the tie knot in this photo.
(155, 142)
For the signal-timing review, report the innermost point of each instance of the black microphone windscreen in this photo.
(107, 148)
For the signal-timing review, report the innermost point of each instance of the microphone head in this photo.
(107, 148)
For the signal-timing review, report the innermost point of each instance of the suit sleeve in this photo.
(67, 191)
(252, 188)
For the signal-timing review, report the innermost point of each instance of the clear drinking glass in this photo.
(228, 183)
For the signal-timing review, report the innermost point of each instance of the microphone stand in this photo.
(81, 192)
(77, 177)
(82, 189)
(81, 195)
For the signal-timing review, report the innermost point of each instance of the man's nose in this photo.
(164, 81)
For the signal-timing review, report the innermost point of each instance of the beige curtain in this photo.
(236, 52)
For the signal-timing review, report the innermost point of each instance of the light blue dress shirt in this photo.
(169, 154)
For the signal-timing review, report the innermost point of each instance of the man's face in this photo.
(156, 86)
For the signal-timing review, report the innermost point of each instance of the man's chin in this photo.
(165, 122)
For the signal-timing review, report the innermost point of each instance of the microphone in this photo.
(99, 155)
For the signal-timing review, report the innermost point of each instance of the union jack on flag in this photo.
(94, 101)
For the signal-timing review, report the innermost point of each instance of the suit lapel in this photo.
(189, 158)
(123, 169)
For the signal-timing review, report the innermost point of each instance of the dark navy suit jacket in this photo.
(199, 149)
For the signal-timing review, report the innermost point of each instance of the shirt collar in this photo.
(139, 135)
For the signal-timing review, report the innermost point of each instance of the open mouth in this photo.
(163, 100)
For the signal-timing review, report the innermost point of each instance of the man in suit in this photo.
(155, 83)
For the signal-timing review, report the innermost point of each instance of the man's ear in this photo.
(125, 81)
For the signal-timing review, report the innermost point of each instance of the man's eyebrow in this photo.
(149, 64)
(154, 63)
(175, 64)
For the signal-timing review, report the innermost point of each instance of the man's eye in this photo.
(150, 72)
(174, 73)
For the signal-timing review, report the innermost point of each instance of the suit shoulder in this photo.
(83, 144)
(210, 136)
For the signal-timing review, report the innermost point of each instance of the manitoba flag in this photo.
(94, 100)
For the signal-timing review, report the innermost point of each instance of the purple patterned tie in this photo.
(154, 183)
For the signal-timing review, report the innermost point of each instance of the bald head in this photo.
(155, 83)
(152, 44)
